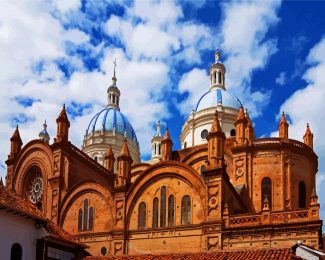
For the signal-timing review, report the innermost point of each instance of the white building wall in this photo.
(15, 229)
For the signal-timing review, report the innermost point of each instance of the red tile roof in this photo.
(13, 202)
(253, 254)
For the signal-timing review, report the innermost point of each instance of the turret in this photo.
(216, 139)
(283, 128)
(166, 147)
(16, 144)
(249, 130)
(309, 137)
(217, 73)
(240, 125)
(44, 135)
(156, 144)
(124, 162)
(63, 125)
(109, 160)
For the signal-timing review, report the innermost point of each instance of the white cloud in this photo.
(243, 30)
(307, 105)
(281, 79)
(65, 6)
(194, 83)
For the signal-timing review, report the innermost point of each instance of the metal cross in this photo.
(114, 62)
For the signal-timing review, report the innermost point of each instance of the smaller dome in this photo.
(217, 96)
(110, 120)
(44, 135)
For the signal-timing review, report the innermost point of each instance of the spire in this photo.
(43, 135)
(216, 139)
(125, 149)
(283, 127)
(124, 166)
(109, 160)
(216, 125)
(63, 125)
(240, 124)
(249, 130)
(16, 144)
(113, 93)
(167, 135)
(241, 114)
(309, 137)
(166, 147)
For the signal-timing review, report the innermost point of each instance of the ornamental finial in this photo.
(217, 55)
(114, 75)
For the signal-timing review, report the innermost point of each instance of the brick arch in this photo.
(81, 189)
(35, 153)
(163, 170)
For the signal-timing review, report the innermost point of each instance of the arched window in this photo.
(91, 218)
(185, 144)
(232, 132)
(86, 217)
(159, 149)
(171, 210)
(186, 210)
(80, 220)
(142, 215)
(266, 191)
(219, 77)
(85, 214)
(163, 206)
(302, 195)
(215, 78)
(16, 252)
(155, 213)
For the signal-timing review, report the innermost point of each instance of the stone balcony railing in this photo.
(268, 217)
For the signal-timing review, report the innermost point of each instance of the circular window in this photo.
(204, 134)
(103, 250)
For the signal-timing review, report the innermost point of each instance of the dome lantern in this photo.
(113, 93)
(217, 73)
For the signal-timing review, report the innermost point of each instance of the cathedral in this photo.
(224, 189)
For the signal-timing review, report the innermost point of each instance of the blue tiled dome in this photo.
(217, 96)
(110, 118)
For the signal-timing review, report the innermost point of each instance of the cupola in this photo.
(217, 73)
(44, 135)
(156, 144)
(113, 93)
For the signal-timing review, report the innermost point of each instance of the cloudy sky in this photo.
(61, 52)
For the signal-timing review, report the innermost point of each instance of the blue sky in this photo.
(56, 52)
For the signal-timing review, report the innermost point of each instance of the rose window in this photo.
(35, 189)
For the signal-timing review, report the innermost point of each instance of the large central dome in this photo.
(215, 97)
(112, 120)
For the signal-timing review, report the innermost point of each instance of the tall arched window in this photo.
(302, 195)
(85, 214)
(86, 217)
(155, 213)
(91, 218)
(16, 252)
(142, 215)
(219, 77)
(171, 210)
(80, 220)
(163, 206)
(266, 191)
(159, 149)
(215, 78)
(186, 210)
